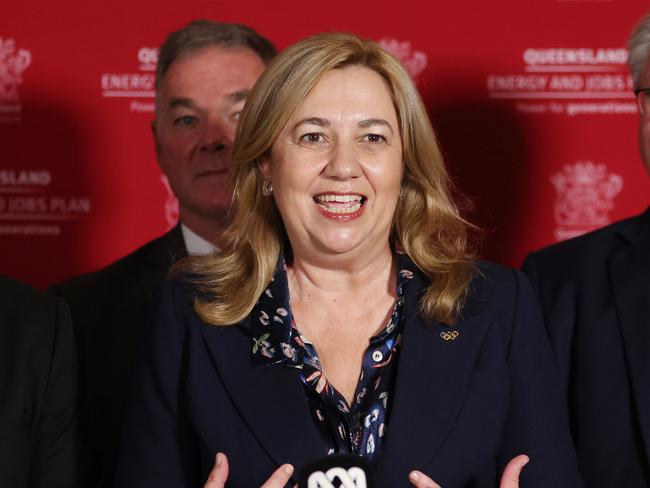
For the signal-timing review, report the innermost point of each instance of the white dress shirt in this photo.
(196, 244)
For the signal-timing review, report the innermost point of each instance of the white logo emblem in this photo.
(148, 57)
(413, 61)
(353, 477)
(12, 65)
(171, 204)
(13, 62)
(585, 196)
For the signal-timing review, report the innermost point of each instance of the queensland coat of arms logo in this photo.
(13, 62)
(585, 196)
(413, 61)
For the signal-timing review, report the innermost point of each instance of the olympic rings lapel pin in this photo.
(449, 335)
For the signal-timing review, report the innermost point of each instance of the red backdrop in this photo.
(531, 101)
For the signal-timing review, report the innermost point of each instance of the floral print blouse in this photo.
(358, 428)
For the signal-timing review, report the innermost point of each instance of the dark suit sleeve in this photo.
(537, 424)
(55, 458)
(158, 448)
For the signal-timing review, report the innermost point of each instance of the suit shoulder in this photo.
(495, 287)
(495, 277)
(175, 289)
(109, 276)
(18, 295)
(585, 248)
(25, 308)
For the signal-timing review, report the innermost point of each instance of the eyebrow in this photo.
(181, 102)
(239, 96)
(235, 97)
(319, 121)
(364, 124)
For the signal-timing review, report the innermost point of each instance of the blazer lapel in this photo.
(433, 375)
(630, 277)
(271, 398)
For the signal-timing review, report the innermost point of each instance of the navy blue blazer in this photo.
(595, 296)
(461, 408)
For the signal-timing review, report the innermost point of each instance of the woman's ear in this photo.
(264, 166)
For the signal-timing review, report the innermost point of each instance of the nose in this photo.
(212, 146)
(217, 136)
(343, 162)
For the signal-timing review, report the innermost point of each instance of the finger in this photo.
(280, 477)
(512, 471)
(421, 480)
(219, 474)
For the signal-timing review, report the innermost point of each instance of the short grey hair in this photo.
(639, 46)
(203, 33)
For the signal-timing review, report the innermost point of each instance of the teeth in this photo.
(339, 204)
(338, 198)
(344, 210)
(337, 209)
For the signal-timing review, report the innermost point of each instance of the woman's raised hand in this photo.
(280, 477)
(509, 478)
(219, 474)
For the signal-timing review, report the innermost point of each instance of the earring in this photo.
(267, 188)
(401, 193)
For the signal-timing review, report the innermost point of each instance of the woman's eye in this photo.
(375, 138)
(312, 138)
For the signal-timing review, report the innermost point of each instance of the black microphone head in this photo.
(336, 471)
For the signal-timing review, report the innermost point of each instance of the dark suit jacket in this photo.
(109, 309)
(39, 436)
(595, 295)
(462, 408)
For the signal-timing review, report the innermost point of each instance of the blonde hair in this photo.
(427, 224)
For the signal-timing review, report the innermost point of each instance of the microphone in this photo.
(336, 471)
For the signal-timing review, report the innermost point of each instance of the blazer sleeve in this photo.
(157, 447)
(538, 421)
(55, 455)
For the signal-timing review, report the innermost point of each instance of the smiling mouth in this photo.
(340, 206)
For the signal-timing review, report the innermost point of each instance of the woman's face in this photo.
(336, 167)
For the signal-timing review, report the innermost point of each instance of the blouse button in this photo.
(377, 356)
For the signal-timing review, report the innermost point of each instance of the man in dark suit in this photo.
(39, 436)
(204, 73)
(595, 295)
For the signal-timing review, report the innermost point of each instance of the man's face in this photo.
(644, 125)
(199, 102)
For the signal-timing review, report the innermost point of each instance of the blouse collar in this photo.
(272, 320)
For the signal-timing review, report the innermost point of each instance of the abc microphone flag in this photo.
(336, 471)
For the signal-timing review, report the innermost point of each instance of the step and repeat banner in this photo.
(532, 103)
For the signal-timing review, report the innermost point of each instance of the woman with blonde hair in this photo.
(345, 312)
